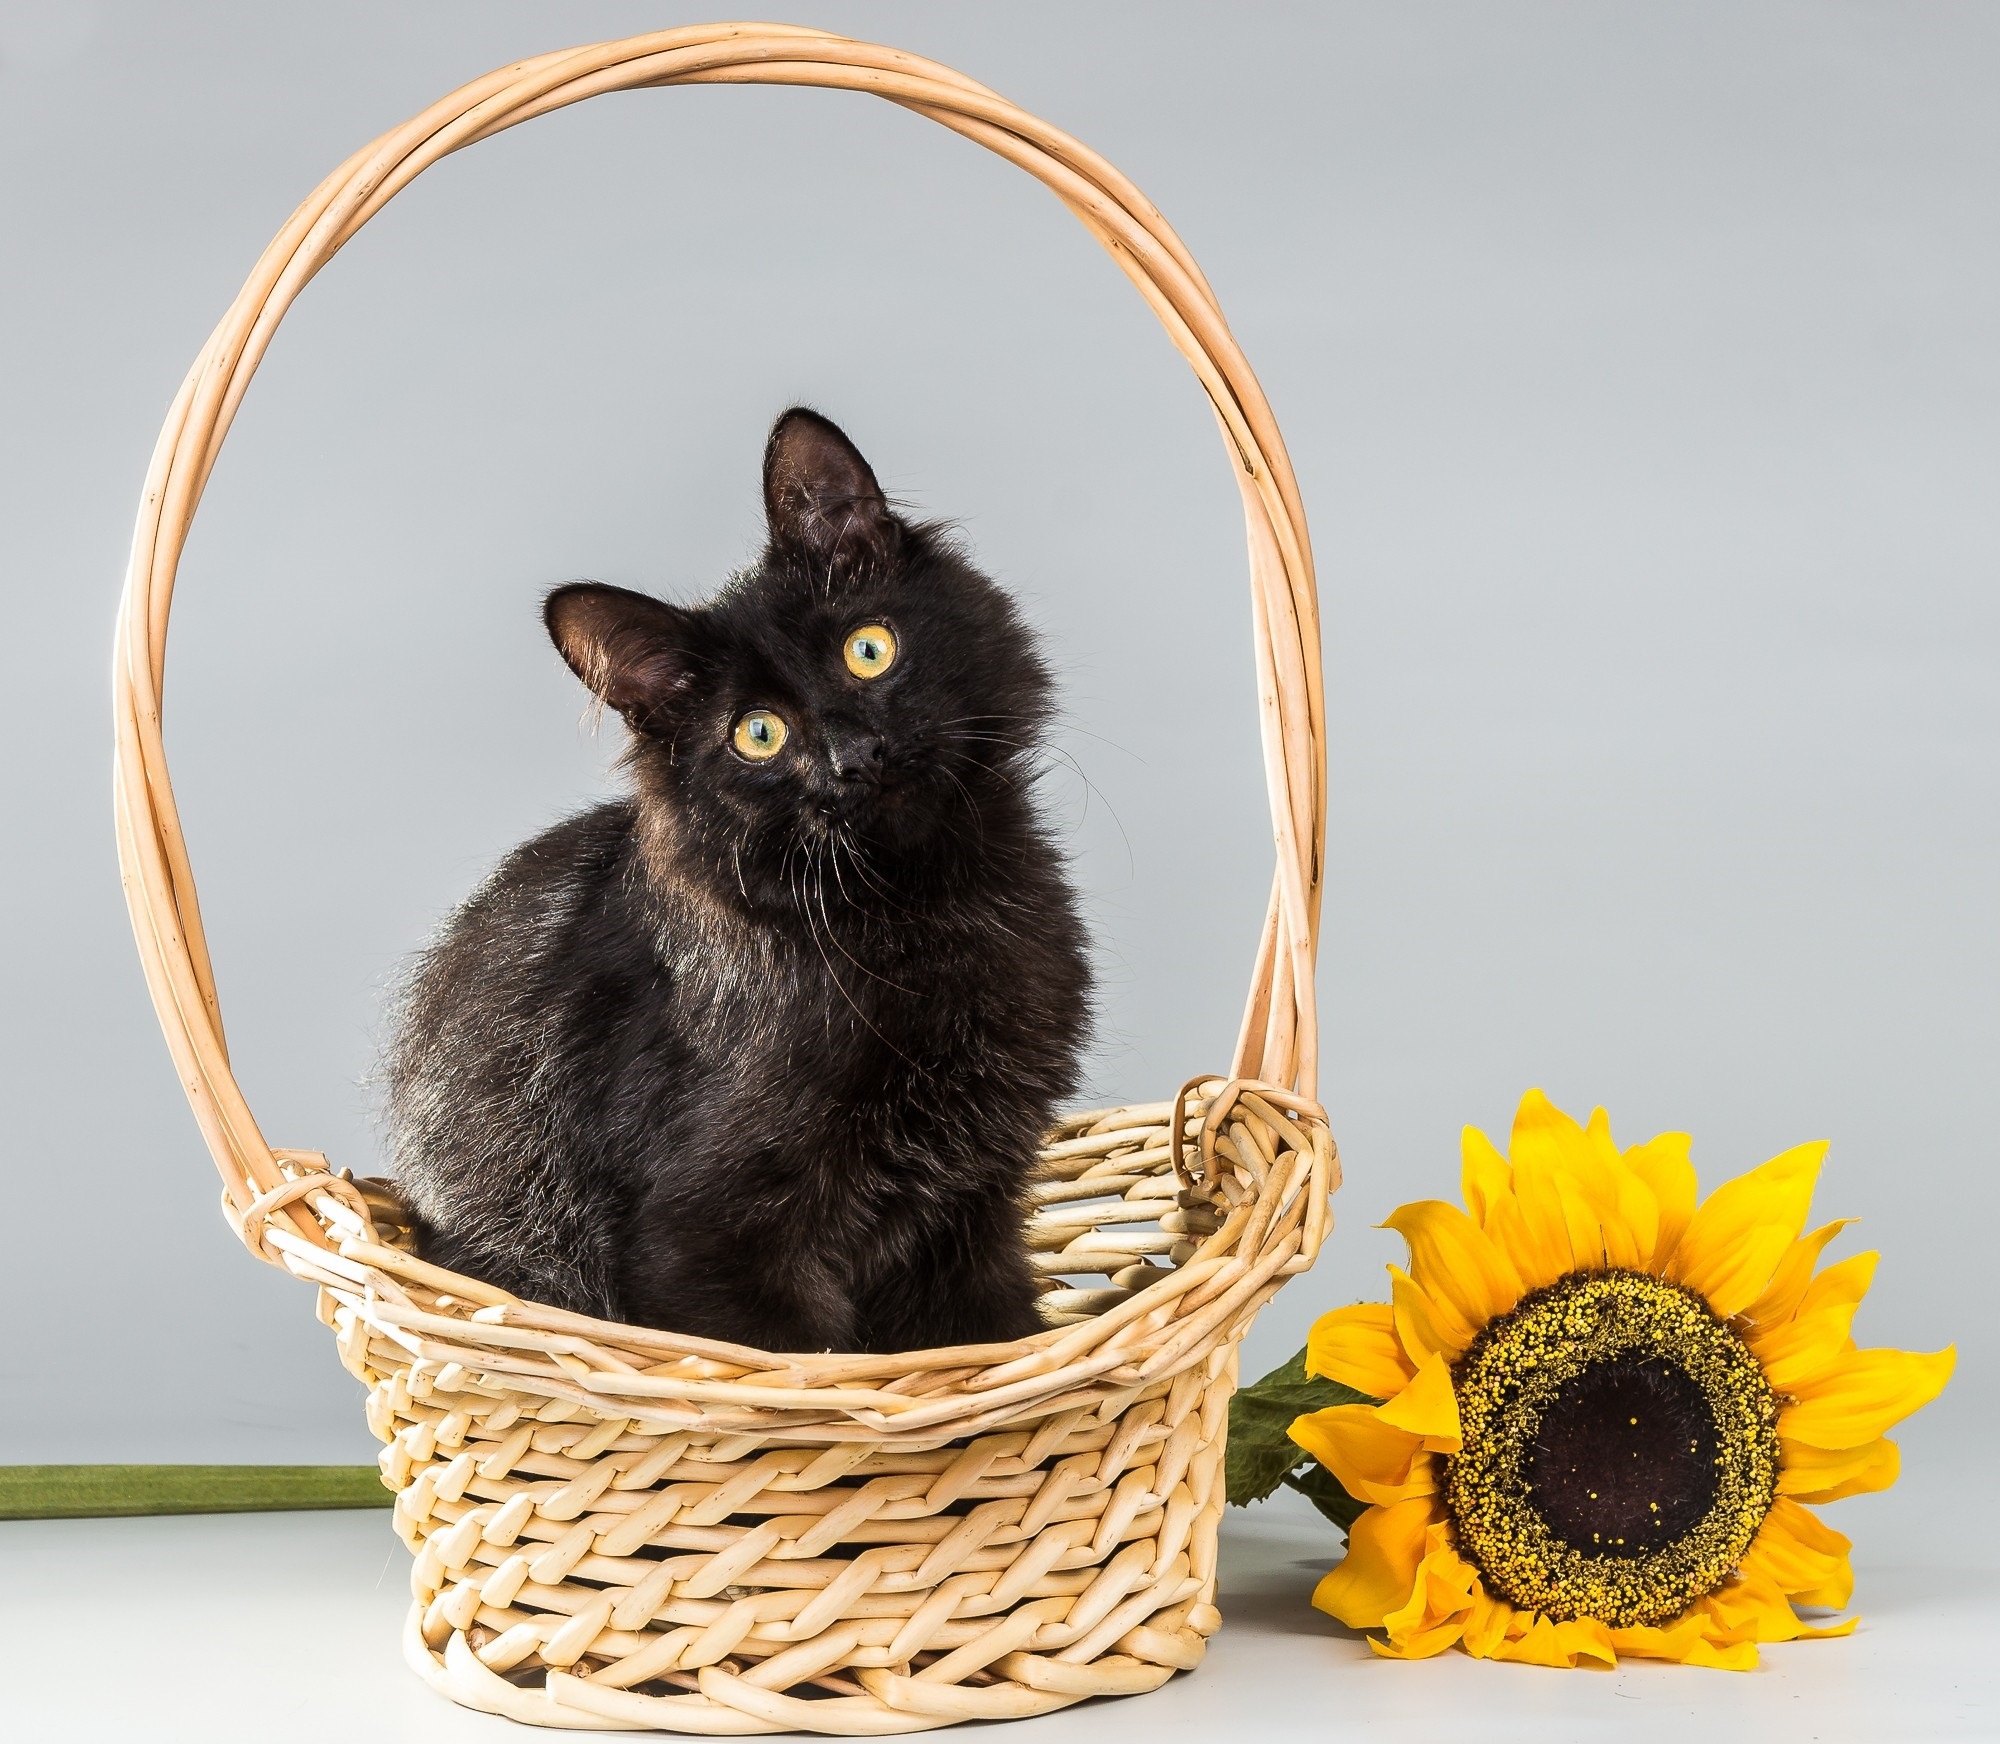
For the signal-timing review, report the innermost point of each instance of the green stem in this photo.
(68, 1492)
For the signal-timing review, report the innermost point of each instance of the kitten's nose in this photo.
(856, 756)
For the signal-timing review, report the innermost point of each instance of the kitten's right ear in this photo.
(820, 496)
(637, 653)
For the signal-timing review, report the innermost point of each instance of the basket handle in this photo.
(1279, 1040)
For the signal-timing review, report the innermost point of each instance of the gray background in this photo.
(1639, 365)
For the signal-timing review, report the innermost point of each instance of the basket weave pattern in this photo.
(624, 1529)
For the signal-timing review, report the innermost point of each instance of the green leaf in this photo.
(1260, 1455)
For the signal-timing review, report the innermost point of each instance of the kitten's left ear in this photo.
(821, 498)
(638, 654)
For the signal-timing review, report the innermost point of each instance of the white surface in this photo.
(284, 1626)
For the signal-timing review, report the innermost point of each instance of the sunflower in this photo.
(1604, 1409)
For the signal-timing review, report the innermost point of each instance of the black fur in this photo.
(764, 1052)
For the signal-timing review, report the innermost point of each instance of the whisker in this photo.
(839, 985)
(833, 860)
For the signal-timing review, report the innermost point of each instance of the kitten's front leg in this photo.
(972, 1285)
(741, 1289)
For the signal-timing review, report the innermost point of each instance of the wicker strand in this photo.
(616, 1528)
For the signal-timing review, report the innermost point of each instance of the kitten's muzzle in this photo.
(857, 757)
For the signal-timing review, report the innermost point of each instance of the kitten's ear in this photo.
(637, 653)
(820, 496)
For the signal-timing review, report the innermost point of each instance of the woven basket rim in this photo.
(288, 1207)
(1276, 1150)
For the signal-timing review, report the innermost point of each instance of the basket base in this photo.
(729, 1706)
(617, 1529)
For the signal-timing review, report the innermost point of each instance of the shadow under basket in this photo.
(622, 1529)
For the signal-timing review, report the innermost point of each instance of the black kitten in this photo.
(764, 1053)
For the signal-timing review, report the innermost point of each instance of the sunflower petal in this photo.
(1603, 1151)
(1379, 1572)
(1560, 1644)
(1662, 1166)
(1690, 1640)
(1358, 1347)
(1541, 1236)
(1440, 1602)
(1423, 1325)
(1529, 1228)
(1549, 1151)
(1788, 1283)
(1587, 1638)
(1483, 1175)
(1815, 1474)
(1374, 1461)
(1426, 1645)
(1863, 1394)
(1816, 1338)
(1741, 1231)
(1584, 1166)
(1427, 1407)
(1486, 1625)
(1454, 1263)
(1840, 1286)
(1803, 1556)
(1751, 1607)
(1632, 1222)
(1587, 1208)
(1543, 1133)
(1738, 1656)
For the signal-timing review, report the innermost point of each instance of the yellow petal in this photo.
(1690, 1640)
(1816, 1474)
(1486, 1625)
(1583, 1207)
(1741, 1656)
(1427, 1407)
(1375, 1462)
(1632, 1221)
(1379, 1572)
(1538, 1244)
(1794, 1351)
(1439, 1603)
(1593, 1184)
(1587, 1638)
(1426, 1645)
(1662, 1166)
(1751, 1607)
(1453, 1262)
(1540, 1237)
(1551, 1157)
(1597, 1129)
(1560, 1644)
(1419, 1644)
(1422, 1325)
(1543, 1133)
(1802, 1556)
(1483, 1174)
(1754, 1607)
(1840, 1286)
(1788, 1283)
(1358, 1347)
(1863, 1394)
(1741, 1231)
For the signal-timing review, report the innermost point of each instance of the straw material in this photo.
(622, 1529)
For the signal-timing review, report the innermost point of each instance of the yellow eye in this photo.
(760, 735)
(870, 651)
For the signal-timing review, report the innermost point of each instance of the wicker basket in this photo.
(621, 1529)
